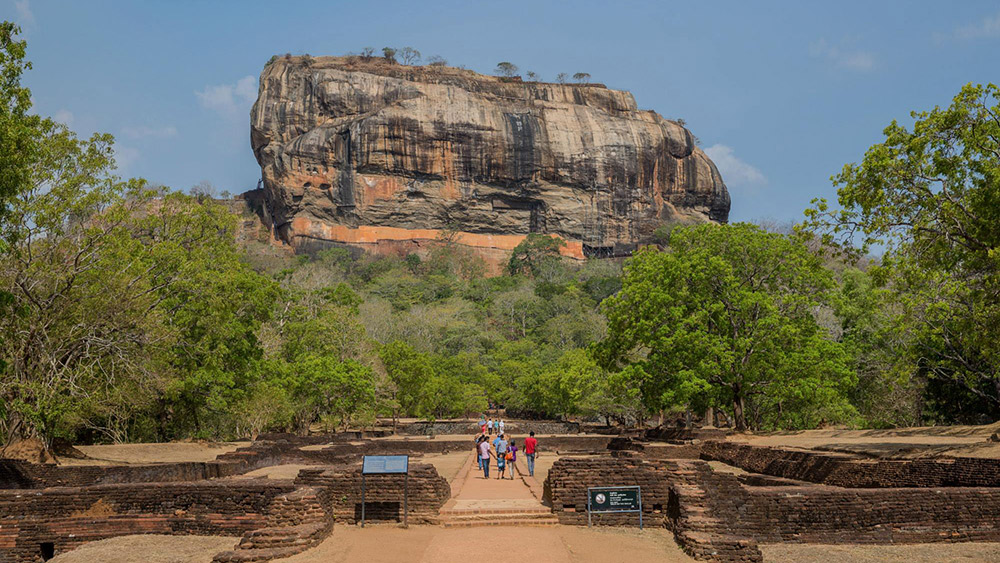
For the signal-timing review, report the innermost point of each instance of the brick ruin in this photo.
(716, 512)
(786, 496)
(50, 509)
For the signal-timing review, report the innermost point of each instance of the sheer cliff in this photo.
(373, 154)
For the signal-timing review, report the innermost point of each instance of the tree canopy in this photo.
(929, 195)
(725, 317)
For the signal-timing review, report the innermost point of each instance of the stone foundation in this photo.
(718, 516)
(341, 487)
(849, 471)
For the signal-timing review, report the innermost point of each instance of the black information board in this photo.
(603, 500)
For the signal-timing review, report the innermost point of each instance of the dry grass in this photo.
(171, 452)
(149, 549)
(926, 441)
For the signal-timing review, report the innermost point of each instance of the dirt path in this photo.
(433, 544)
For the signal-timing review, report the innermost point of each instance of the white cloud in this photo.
(125, 157)
(735, 172)
(25, 16)
(849, 59)
(65, 117)
(985, 28)
(230, 100)
(145, 131)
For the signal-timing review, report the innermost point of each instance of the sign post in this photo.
(382, 465)
(605, 500)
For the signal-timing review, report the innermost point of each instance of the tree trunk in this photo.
(738, 406)
(738, 416)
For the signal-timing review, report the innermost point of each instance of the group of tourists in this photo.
(487, 426)
(501, 449)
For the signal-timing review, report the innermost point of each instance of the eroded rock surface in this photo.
(374, 154)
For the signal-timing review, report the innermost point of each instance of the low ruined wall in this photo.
(68, 517)
(846, 471)
(568, 480)
(819, 514)
(716, 517)
(338, 453)
(341, 487)
(472, 428)
(668, 434)
(16, 474)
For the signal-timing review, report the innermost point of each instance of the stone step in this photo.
(493, 511)
(498, 517)
(549, 521)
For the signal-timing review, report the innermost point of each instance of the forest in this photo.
(134, 312)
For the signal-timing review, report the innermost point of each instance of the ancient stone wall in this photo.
(341, 487)
(68, 517)
(16, 474)
(471, 428)
(848, 471)
(821, 514)
(715, 516)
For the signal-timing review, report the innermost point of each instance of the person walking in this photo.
(479, 460)
(482, 425)
(501, 423)
(530, 451)
(512, 458)
(500, 445)
(484, 456)
(489, 426)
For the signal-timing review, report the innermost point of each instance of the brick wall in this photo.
(471, 428)
(71, 516)
(848, 471)
(16, 474)
(715, 516)
(341, 496)
(568, 480)
(819, 514)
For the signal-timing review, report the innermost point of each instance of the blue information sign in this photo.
(376, 464)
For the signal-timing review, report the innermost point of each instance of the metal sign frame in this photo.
(365, 470)
(636, 488)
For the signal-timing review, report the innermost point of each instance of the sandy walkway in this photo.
(432, 544)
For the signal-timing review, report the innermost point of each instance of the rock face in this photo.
(374, 154)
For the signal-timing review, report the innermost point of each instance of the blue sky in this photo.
(781, 94)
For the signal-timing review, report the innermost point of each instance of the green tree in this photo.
(18, 129)
(724, 318)
(567, 386)
(409, 55)
(389, 54)
(506, 69)
(930, 197)
(18, 138)
(582, 77)
(532, 253)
